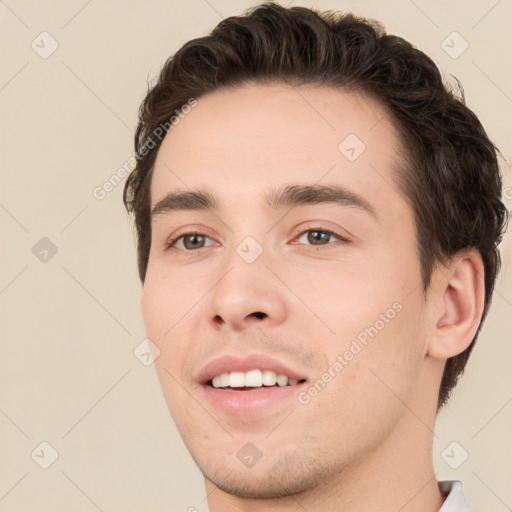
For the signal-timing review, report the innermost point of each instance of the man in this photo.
(318, 220)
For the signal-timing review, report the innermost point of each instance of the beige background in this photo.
(69, 325)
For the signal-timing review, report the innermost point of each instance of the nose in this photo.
(248, 294)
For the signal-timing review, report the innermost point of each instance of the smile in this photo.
(251, 380)
(249, 385)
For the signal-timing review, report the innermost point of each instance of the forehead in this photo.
(257, 136)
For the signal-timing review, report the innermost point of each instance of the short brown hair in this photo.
(450, 174)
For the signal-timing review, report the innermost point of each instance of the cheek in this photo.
(365, 392)
(170, 304)
(166, 299)
(375, 347)
(345, 298)
(161, 312)
(381, 364)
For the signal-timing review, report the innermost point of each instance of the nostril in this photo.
(258, 315)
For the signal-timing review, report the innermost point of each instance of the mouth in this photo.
(250, 385)
(252, 380)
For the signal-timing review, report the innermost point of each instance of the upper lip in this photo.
(236, 363)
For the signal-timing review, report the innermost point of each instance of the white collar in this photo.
(454, 492)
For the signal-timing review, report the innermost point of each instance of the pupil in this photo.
(194, 239)
(313, 236)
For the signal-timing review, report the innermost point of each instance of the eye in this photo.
(318, 236)
(187, 241)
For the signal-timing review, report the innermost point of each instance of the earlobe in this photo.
(460, 295)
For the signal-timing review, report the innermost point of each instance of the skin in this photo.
(364, 442)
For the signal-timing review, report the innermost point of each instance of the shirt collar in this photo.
(454, 492)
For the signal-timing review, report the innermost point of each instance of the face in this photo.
(303, 268)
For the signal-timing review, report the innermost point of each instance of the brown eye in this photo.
(193, 241)
(315, 237)
(319, 236)
(188, 241)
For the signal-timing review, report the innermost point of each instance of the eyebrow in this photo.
(287, 196)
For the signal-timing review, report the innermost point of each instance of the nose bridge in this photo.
(247, 292)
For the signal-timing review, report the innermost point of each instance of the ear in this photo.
(458, 295)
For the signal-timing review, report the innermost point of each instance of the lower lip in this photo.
(251, 401)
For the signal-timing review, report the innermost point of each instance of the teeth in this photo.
(251, 379)
(269, 378)
(236, 379)
(282, 380)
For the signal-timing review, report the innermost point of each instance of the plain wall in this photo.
(70, 324)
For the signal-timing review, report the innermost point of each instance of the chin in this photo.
(288, 475)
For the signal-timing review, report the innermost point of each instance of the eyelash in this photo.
(170, 244)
